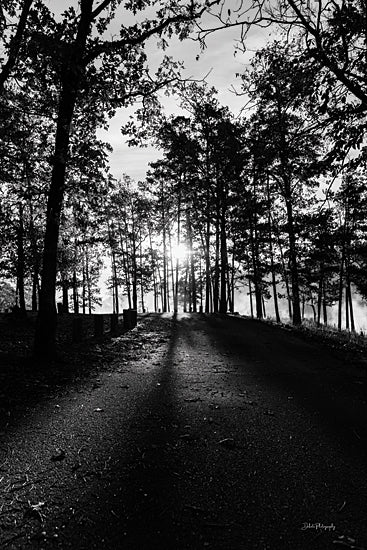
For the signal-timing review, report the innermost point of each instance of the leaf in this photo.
(228, 443)
(59, 455)
(34, 511)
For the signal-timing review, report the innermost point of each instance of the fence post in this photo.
(126, 317)
(134, 318)
(77, 329)
(98, 325)
(130, 318)
(114, 320)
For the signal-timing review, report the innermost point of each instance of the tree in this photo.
(333, 35)
(71, 49)
(280, 83)
(15, 41)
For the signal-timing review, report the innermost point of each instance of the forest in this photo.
(271, 203)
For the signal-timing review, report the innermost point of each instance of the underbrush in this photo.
(329, 335)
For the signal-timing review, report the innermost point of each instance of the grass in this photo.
(329, 335)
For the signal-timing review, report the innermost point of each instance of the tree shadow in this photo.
(139, 487)
(24, 380)
(320, 379)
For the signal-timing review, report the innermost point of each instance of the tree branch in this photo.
(15, 44)
(141, 37)
(100, 8)
(319, 54)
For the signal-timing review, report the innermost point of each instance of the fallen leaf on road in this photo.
(342, 506)
(58, 455)
(185, 436)
(228, 442)
(192, 399)
(348, 542)
(34, 511)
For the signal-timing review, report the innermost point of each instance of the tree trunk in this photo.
(250, 294)
(286, 281)
(89, 286)
(349, 303)
(172, 269)
(34, 247)
(352, 325)
(45, 338)
(271, 251)
(20, 260)
(320, 294)
(141, 275)
(250, 290)
(175, 295)
(255, 267)
(207, 260)
(223, 260)
(75, 293)
(65, 295)
(125, 261)
(293, 265)
(155, 290)
(185, 285)
(264, 307)
(201, 286)
(134, 264)
(192, 261)
(164, 279)
(341, 286)
(216, 265)
(115, 284)
(84, 285)
(35, 289)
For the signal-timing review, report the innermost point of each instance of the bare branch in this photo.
(141, 37)
(100, 8)
(15, 44)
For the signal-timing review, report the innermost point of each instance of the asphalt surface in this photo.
(197, 432)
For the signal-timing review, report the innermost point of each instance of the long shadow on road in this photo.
(255, 495)
(288, 365)
(135, 500)
(158, 483)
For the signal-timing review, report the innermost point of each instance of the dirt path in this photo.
(200, 432)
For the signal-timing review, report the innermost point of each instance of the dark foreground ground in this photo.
(187, 433)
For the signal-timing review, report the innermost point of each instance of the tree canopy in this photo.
(269, 204)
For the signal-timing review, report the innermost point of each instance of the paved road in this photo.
(199, 432)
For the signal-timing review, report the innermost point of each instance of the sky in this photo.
(217, 63)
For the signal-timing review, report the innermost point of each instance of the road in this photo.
(196, 432)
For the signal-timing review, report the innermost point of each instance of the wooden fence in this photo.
(71, 327)
(78, 327)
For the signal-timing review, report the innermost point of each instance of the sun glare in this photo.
(179, 252)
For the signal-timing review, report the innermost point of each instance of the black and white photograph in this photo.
(183, 274)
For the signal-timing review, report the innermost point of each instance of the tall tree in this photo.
(280, 83)
(73, 47)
